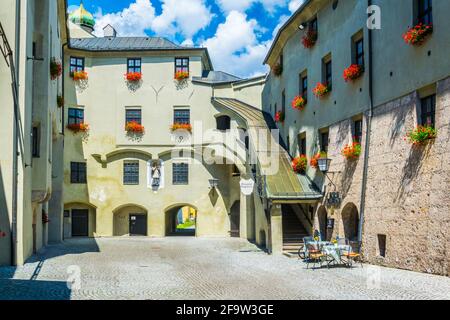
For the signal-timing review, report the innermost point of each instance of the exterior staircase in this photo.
(293, 232)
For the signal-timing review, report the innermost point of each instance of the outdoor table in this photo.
(335, 251)
(318, 244)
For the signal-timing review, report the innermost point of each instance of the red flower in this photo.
(299, 103)
(133, 76)
(417, 34)
(78, 127)
(2, 234)
(79, 75)
(309, 39)
(421, 134)
(181, 126)
(279, 116)
(353, 72)
(352, 151)
(181, 75)
(134, 127)
(299, 164)
(321, 89)
(55, 69)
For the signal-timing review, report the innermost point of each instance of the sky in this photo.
(237, 33)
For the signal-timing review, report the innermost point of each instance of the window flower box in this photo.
(309, 39)
(352, 151)
(353, 72)
(299, 164)
(418, 34)
(133, 127)
(80, 76)
(321, 90)
(133, 76)
(280, 117)
(314, 162)
(78, 127)
(181, 126)
(277, 69)
(60, 101)
(299, 103)
(55, 69)
(181, 75)
(421, 135)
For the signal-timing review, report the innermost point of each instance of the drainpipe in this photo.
(63, 90)
(367, 144)
(15, 183)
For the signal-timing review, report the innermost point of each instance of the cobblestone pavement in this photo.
(190, 268)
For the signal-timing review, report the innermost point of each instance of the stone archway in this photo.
(350, 221)
(181, 220)
(130, 220)
(235, 219)
(80, 220)
(322, 217)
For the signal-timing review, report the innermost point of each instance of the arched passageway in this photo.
(235, 220)
(130, 220)
(322, 217)
(80, 220)
(350, 220)
(181, 220)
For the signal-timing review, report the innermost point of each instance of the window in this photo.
(281, 61)
(313, 25)
(328, 74)
(76, 64)
(131, 173)
(427, 111)
(304, 87)
(76, 116)
(283, 102)
(223, 123)
(133, 115)
(77, 172)
(359, 52)
(425, 11)
(324, 140)
(288, 142)
(36, 142)
(302, 144)
(182, 116)
(382, 245)
(180, 174)
(181, 65)
(134, 65)
(357, 131)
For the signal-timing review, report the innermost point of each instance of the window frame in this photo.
(359, 55)
(130, 118)
(424, 15)
(358, 130)
(131, 177)
(36, 142)
(183, 119)
(77, 119)
(302, 144)
(134, 60)
(180, 173)
(182, 67)
(76, 67)
(78, 172)
(324, 143)
(328, 73)
(304, 86)
(424, 114)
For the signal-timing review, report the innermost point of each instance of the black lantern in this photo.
(324, 164)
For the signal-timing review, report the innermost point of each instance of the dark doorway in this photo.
(235, 220)
(80, 223)
(138, 225)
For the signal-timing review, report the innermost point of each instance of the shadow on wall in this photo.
(5, 227)
(347, 176)
(397, 125)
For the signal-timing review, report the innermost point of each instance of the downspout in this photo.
(15, 183)
(63, 90)
(367, 144)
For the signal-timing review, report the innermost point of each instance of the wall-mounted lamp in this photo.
(324, 164)
(302, 26)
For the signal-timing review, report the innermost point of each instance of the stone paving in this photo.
(207, 268)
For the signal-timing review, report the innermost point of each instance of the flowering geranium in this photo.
(299, 164)
(79, 75)
(321, 89)
(279, 116)
(60, 101)
(352, 151)
(309, 39)
(417, 34)
(277, 69)
(181, 75)
(134, 127)
(78, 127)
(299, 103)
(421, 134)
(353, 72)
(314, 162)
(133, 76)
(181, 126)
(55, 69)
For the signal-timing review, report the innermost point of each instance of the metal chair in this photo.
(354, 254)
(302, 251)
(314, 255)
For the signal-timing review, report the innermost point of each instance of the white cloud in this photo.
(131, 21)
(243, 5)
(295, 4)
(235, 49)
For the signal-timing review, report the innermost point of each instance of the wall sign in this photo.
(247, 186)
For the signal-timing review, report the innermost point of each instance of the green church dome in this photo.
(82, 17)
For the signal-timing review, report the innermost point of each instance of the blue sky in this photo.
(237, 33)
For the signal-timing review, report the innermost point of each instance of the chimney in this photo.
(109, 31)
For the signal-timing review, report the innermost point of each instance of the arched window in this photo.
(223, 123)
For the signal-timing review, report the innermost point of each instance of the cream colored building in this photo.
(35, 31)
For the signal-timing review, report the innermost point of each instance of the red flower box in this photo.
(279, 117)
(181, 75)
(352, 151)
(417, 34)
(79, 75)
(133, 76)
(299, 103)
(299, 164)
(78, 127)
(353, 72)
(321, 90)
(134, 127)
(55, 69)
(181, 126)
(309, 39)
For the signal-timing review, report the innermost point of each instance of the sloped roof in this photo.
(216, 77)
(286, 185)
(125, 44)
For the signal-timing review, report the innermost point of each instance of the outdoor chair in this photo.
(302, 252)
(343, 241)
(354, 254)
(315, 256)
